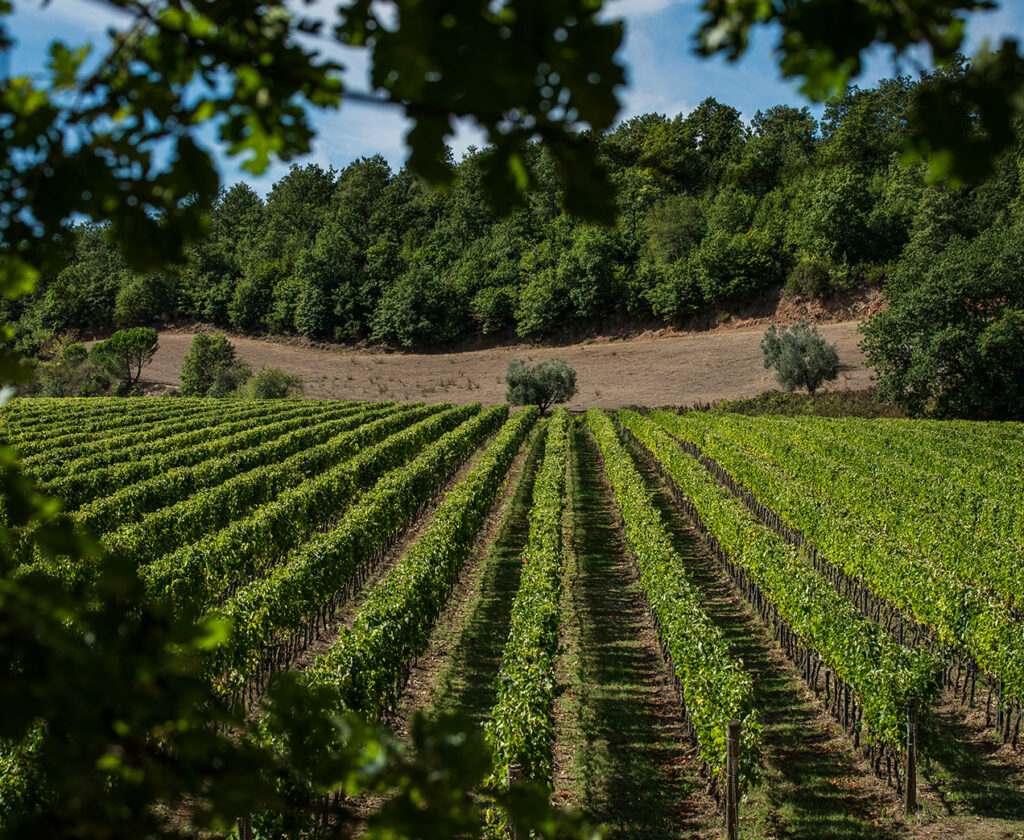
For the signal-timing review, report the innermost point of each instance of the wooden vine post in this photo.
(245, 828)
(732, 780)
(515, 778)
(910, 785)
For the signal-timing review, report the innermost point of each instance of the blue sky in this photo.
(663, 73)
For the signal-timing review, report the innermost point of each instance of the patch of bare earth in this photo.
(628, 366)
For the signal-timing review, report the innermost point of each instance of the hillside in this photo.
(656, 369)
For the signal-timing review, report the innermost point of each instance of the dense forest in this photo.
(712, 211)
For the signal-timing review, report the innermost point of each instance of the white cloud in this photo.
(650, 88)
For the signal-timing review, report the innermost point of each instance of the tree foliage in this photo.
(961, 124)
(801, 356)
(543, 385)
(712, 213)
(125, 354)
(951, 342)
(211, 369)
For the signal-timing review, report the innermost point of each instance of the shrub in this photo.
(677, 294)
(811, 277)
(71, 374)
(543, 303)
(801, 356)
(210, 368)
(732, 267)
(542, 385)
(864, 403)
(144, 298)
(271, 383)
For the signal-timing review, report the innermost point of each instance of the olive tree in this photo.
(801, 356)
(542, 385)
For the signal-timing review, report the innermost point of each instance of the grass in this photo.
(467, 681)
(619, 722)
(972, 780)
(813, 786)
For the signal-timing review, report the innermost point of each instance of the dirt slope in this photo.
(659, 370)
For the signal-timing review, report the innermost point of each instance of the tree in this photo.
(951, 342)
(960, 123)
(801, 356)
(542, 385)
(210, 368)
(126, 353)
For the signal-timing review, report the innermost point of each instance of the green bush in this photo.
(543, 303)
(494, 308)
(863, 403)
(145, 298)
(732, 267)
(271, 383)
(542, 385)
(71, 374)
(812, 277)
(801, 356)
(210, 368)
(677, 294)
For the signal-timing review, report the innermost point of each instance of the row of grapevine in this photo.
(521, 727)
(273, 616)
(42, 458)
(883, 675)
(35, 414)
(713, 684)
(69, 429)
(975, 537)
(216, 506)
(997, 439)
(964, 616)
(169, 436)
(226, 559)
(966, 460)
(22, 416)
(213, 507)
(368, 663)
(79, 487)
(139, 487)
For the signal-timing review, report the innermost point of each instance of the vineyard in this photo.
(684, 625)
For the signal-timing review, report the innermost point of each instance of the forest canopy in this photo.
(712, 211)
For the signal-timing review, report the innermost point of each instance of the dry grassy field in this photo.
(666, 369)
